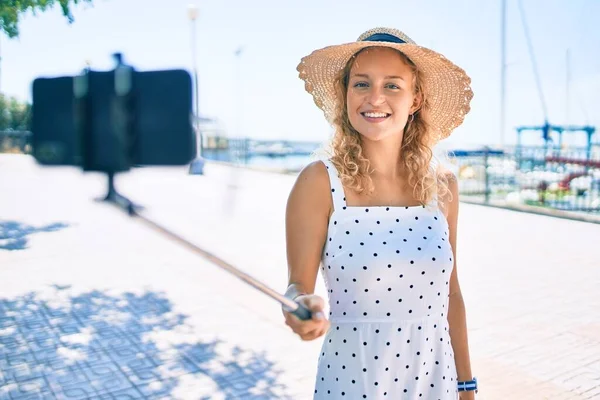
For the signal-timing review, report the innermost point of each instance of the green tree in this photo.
(10, 11)
(20, 114)
(4, 113)
(14, 114)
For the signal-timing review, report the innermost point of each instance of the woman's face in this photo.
(380, 94)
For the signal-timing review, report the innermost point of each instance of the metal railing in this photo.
(564, 179)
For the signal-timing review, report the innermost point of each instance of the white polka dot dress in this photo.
(387, 273)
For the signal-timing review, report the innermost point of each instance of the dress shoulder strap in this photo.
(337, 189)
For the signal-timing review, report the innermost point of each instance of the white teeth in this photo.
(375, 115)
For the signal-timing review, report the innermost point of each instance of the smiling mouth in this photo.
(375, 116)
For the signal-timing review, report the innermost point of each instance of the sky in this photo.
(258, 93)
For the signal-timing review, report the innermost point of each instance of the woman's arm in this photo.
(306, 220)
(456, 309)
(307, 216)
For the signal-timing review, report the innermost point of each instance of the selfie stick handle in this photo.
(131, 209)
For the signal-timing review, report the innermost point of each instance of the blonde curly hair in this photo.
(346, 153)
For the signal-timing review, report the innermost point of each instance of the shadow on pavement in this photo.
(13, 235)
(56, 344)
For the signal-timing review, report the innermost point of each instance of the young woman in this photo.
(380, 220)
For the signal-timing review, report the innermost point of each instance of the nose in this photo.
(375, 96)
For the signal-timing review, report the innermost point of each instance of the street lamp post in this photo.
(503, 74)
(241, 147)
(197, 165)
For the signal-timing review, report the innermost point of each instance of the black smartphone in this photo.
(114, 120)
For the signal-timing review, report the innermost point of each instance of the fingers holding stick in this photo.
(314, 327)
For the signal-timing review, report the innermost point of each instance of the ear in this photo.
(417, 102)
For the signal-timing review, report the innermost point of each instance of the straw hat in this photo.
(447, 85)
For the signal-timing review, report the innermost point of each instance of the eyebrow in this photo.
(387, 77)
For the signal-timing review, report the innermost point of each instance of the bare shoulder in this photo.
(313, 178)
(316, 173)
(450, 199)
(312, 188)
(447, 174)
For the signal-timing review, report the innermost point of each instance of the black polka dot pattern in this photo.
(388, 302)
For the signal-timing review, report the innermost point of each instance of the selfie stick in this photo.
(131, 209)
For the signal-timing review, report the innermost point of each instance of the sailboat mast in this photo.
(502, 73)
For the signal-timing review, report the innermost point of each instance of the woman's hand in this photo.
(470, 395)
(313, 328)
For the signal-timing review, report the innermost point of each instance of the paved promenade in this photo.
(93, 305)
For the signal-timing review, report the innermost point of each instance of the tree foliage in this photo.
(11, 10)
(14, 114)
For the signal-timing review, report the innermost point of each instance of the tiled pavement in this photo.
(93, 345)
(94, 305)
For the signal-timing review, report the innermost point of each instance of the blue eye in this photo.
(360, 84)
(392, 86)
